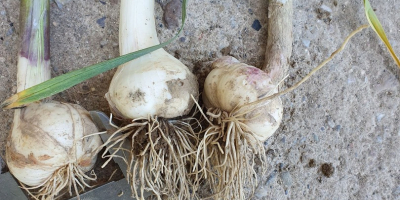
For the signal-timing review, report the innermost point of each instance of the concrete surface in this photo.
(340, 138)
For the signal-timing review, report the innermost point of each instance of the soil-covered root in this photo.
(66, 179)
(161, 156)
(229, 156)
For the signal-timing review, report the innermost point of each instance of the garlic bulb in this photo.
(239, 121)
(232, 84)
(49, 136)
(156, 84)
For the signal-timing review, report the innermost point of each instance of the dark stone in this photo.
(250, 11)
(101, 22)
(256, 25)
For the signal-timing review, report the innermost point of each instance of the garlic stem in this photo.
(137, 25)
(34, 57)
(280, 39)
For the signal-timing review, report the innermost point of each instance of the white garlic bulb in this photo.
(232, 84)
(156, 84)
(48, 136)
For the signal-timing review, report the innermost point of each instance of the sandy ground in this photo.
(340, 137)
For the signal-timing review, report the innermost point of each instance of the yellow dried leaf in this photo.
(376, 25)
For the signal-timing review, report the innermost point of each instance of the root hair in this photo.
(70, 176)
(228, 156)
(161, 155)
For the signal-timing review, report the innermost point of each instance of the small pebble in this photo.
(351, 79)
(306, 43)
(270, 178)
(270, 153)
(101, 22)
(233, 23)
(61, 3)
(182, 39)
(337, 128)
(330, 122)
(379, 139)
(103, 42)
(322, 128)
(287, 179)
(316, 138)
(2, 59)
(102, 2)
(256, 25)
(55, 23)
(380, 116)
(10, 31)
(325, 9)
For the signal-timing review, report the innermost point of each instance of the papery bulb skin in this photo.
(156, 84)
(48, 136)
(232, 84)
(264, 121)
